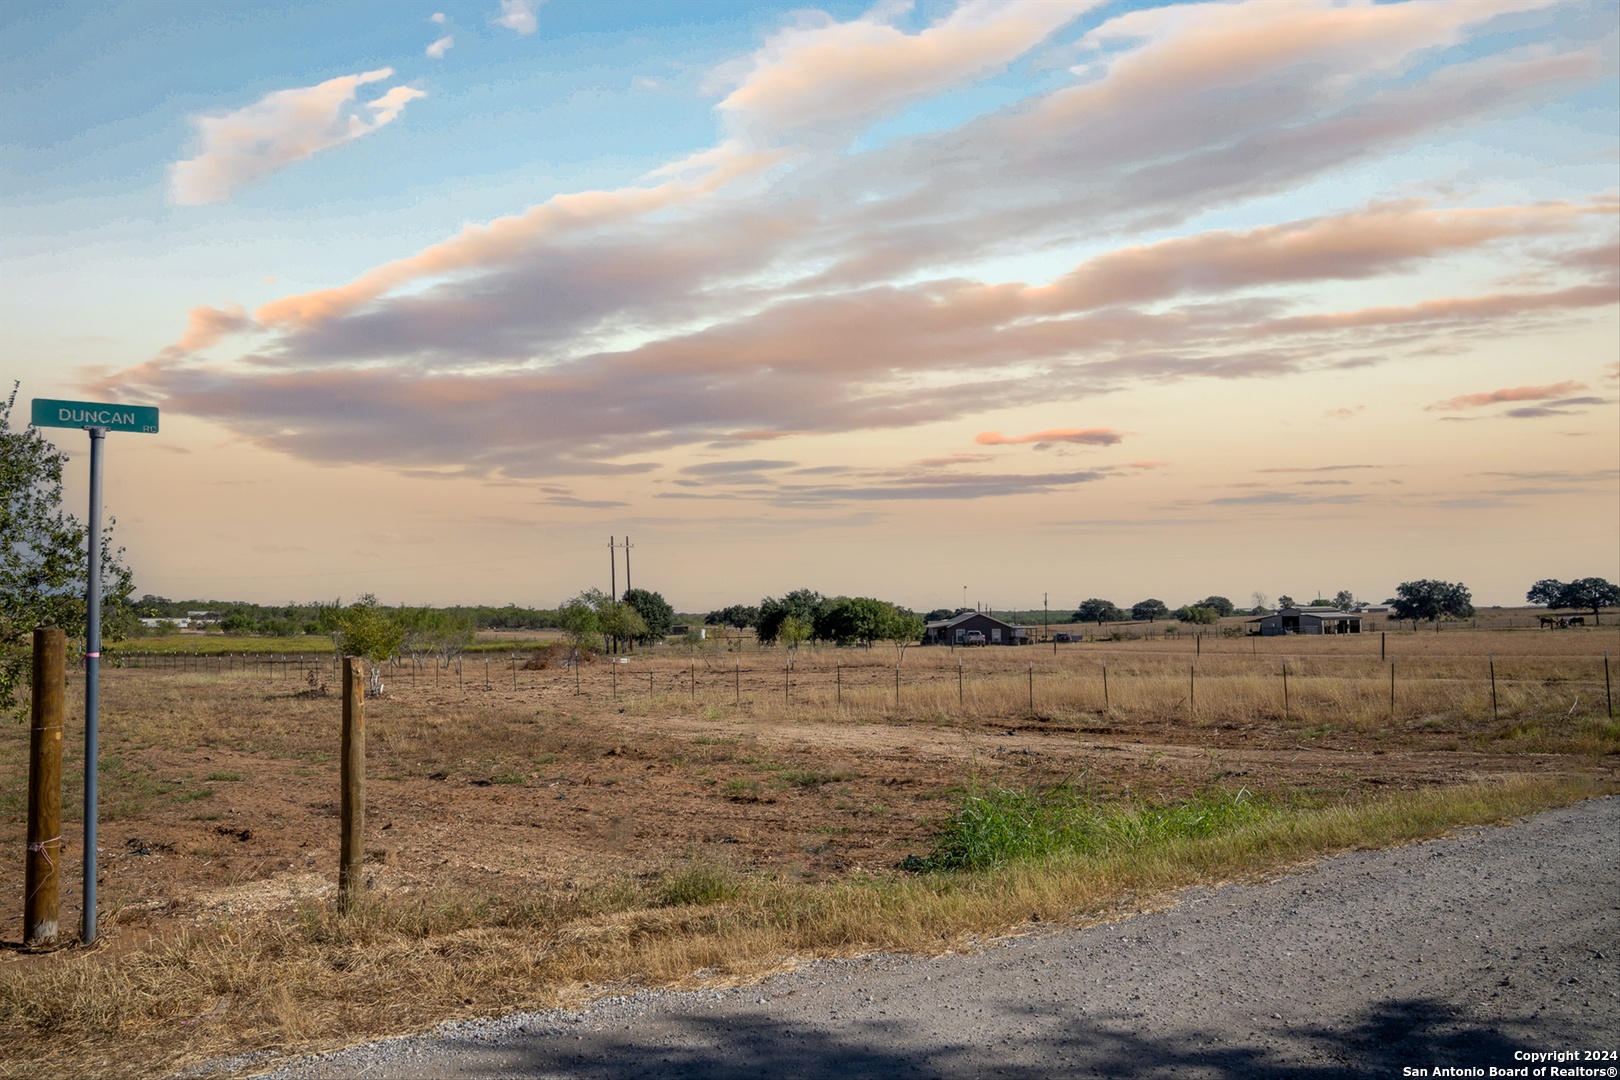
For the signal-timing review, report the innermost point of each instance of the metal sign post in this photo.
(97, 420)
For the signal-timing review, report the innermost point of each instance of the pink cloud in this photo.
(280, 128)
(1086, 436)
(1513, 393)
(823, 72)
(206, 325)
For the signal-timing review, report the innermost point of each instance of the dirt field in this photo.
(220, 792)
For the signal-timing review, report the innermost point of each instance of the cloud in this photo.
(822, 286)
(518, 16)
(1286, 498)
(206, 325)
(1146, 464)
(241, 147)
(437, 50)
(1085, 436)
(726, 468)
(1316, 468)
(1344, 413)
(1514, 393)
(438, 17)
(821, 73)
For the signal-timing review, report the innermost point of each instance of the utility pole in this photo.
(613, 570)
(627, 585)
(1045, 618)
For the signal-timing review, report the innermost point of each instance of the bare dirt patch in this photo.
(220, 787)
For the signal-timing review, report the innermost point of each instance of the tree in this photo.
(1344, 600)
(792, 631)
(1219, 604)
(1285, 601)
(435, 632)
(1098, 611)
(371, 632)
(654, 611)
(42, 557)
(1261, 600)
(801, 604)
(1150, 610)
(579, 624)
(621, 622)
(737, 616)
(1583, 594)
(1197, 614)
(902, 627)
(1548, 591)
(1430, 599)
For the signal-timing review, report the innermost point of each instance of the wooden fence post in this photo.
(1032, 687)
(352, 808)
(1493, 688)
(1608, 692)
(736, 681)
(41, 871)
(1107, 706)
(1285, 691)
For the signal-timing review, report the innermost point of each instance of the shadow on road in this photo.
(1413, 1032)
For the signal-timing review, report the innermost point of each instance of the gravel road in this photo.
(1461, 953)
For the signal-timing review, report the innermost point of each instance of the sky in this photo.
(991, 302)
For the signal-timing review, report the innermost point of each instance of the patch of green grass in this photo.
(224, 777)
(697, 883)
(509, 778)
(741, 787)
(192, 796)
(1005, 825)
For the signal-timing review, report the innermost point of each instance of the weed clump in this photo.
(1005, 825)
(696, 884)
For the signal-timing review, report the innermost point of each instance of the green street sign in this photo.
(89, 414)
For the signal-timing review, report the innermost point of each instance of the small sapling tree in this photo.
(578, 621)
(793, 631)
(371, 632)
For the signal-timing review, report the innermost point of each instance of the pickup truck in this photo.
(974, 637)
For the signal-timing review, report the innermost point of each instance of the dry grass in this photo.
(182, 979)
(310, 978)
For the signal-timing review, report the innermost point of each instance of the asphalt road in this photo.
(1460, 953)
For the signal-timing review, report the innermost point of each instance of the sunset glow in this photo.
(1067, 298)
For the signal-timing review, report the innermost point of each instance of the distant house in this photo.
(1308, 620)
(952, 631)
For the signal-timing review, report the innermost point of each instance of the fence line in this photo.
(1080, 681)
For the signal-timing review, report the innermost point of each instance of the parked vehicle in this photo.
(1062, 638)
(974, 637)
